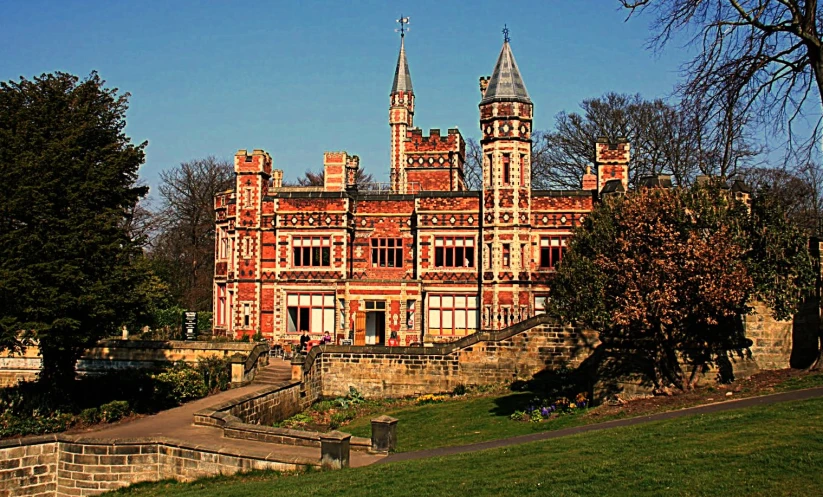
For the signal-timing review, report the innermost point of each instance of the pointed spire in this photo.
(402, 76)
(506, 83)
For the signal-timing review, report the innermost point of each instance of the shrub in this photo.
(180, 384)
(459, 390)
(114, 411)
(89, 416)
(216, 373)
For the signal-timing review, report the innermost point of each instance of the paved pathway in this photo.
(178, 424)
(534, 437)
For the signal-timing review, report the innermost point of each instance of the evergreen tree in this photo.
(69, 176)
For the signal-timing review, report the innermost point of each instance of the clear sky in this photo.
(296, 78)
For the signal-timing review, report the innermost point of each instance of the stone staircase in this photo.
(276, 373)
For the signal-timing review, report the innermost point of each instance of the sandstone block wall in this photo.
(482, 358)
(62, 466)
(267, 406)
(29, 470)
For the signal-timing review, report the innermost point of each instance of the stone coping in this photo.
(175, 344)
(158, 441)
(285, 436)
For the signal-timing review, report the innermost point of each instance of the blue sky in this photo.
(297, 78)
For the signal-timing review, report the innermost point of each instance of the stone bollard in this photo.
(334, 450)
(238, 368)
(383, 434)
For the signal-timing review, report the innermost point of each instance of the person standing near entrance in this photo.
(304, 341)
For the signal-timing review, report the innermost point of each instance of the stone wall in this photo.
(125, 354)
(29, 470)
(483, 358)
(62, 465)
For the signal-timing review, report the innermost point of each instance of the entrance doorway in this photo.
(375, 322)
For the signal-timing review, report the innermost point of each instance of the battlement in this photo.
(259, 161)
(435, 142)
(612, 152)
(612, 160)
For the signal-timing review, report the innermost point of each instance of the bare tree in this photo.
(676, 139)
(798, 190)
(186, 239)
(473, 167)
(759, 56)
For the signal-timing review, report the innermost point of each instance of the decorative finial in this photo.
(404, 21)
(505, 34)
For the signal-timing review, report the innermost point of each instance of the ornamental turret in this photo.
(506, 124)
(401, 113)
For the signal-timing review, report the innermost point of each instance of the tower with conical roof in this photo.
(506, 124)
(401, 113)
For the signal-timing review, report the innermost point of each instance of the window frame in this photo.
(550, 254)
(446, 249)
(471, 325)
(326, 307)
(385, 250)
(318, 255)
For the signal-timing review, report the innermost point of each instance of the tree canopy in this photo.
(67, 256)
(672, 271)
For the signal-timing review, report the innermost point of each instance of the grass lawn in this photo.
(461, 421)
(772, 450)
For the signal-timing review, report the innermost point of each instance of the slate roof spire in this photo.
(402, 76)
(506, 84)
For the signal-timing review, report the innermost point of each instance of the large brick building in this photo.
(425, 260)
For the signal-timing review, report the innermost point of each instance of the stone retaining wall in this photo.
(61, 465)
(483, 358)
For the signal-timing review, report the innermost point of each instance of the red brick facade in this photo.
(425, 261)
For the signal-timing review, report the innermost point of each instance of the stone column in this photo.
(383, 434)
(334, 450)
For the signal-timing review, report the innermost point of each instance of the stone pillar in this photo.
(334, 450)
(238, 368)
(383, 434)
(297, 362)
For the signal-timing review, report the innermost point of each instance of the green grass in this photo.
(811, 380)
(460, 421)
(773, 450)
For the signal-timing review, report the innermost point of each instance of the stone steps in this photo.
(275, 373)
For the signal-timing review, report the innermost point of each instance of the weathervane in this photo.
(404, 21)
(505, 33)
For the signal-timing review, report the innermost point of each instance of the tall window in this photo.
(552, 249)
(387, 252)
(311, 251)
(453, 251)
(312, 312)
(222, 243)
(452, 314)
(522, 170)
(507, 255)
(507, 169)
(221, 305)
